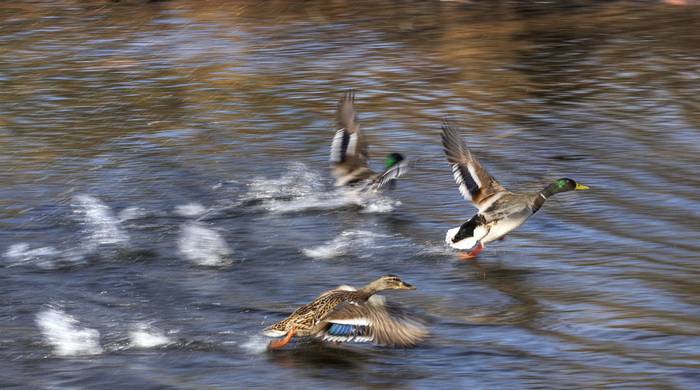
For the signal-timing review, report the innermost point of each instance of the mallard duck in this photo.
(500, 211)
(349, 154)
(346, 314)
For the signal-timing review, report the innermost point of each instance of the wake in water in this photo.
(66, 336)
(343, 244)
(365, 244)
(360, 243)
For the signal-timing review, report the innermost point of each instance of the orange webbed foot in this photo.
(465, 256)
(471, 254)
(277, 344)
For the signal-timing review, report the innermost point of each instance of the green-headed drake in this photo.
(346, 314)
(500, 211)
(349, 155)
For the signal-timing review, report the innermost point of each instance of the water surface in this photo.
(165, 191)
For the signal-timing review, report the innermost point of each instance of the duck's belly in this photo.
(502, 227)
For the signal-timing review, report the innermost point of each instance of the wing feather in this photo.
(475, 184)
(378, 323)
(348, 146)
(394, 172)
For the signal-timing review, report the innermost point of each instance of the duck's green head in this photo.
(565, 184)
(392, 159)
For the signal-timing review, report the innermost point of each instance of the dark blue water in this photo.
(165, 191)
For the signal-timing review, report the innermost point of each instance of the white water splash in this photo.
(147, 336)
(255, 345)
(99, 222)
(130, 213)
(102, 225)
(328, 251)
(297, 181)
(48, 257)
(342, 244)
(378, 204)
(300, 189)
(435, 248)
(190, 210)
(21, 254)
(315, 201)
(64, 334)
(203, 246)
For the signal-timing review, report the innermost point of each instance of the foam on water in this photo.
(64, 334)
(147, 336)
(101, 224)
(190, 210)
(203, 246)
(342, 244)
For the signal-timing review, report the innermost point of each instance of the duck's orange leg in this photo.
(276, 344)
(471, 254)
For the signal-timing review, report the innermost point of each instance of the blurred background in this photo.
(165, 194)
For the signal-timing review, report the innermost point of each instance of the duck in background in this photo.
(500, 211)
(349, 155)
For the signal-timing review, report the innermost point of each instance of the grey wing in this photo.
(348, 147)
(475, 184)
(508, 206)
(369, 322)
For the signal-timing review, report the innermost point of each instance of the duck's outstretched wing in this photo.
(368, 322)
(475, 184)
(393, 172)
(349, 147)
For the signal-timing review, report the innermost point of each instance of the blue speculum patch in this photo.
(346, 330)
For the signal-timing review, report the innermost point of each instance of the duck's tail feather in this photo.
(463, 244)
(468, 234)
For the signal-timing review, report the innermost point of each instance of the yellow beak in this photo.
(581, 187)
